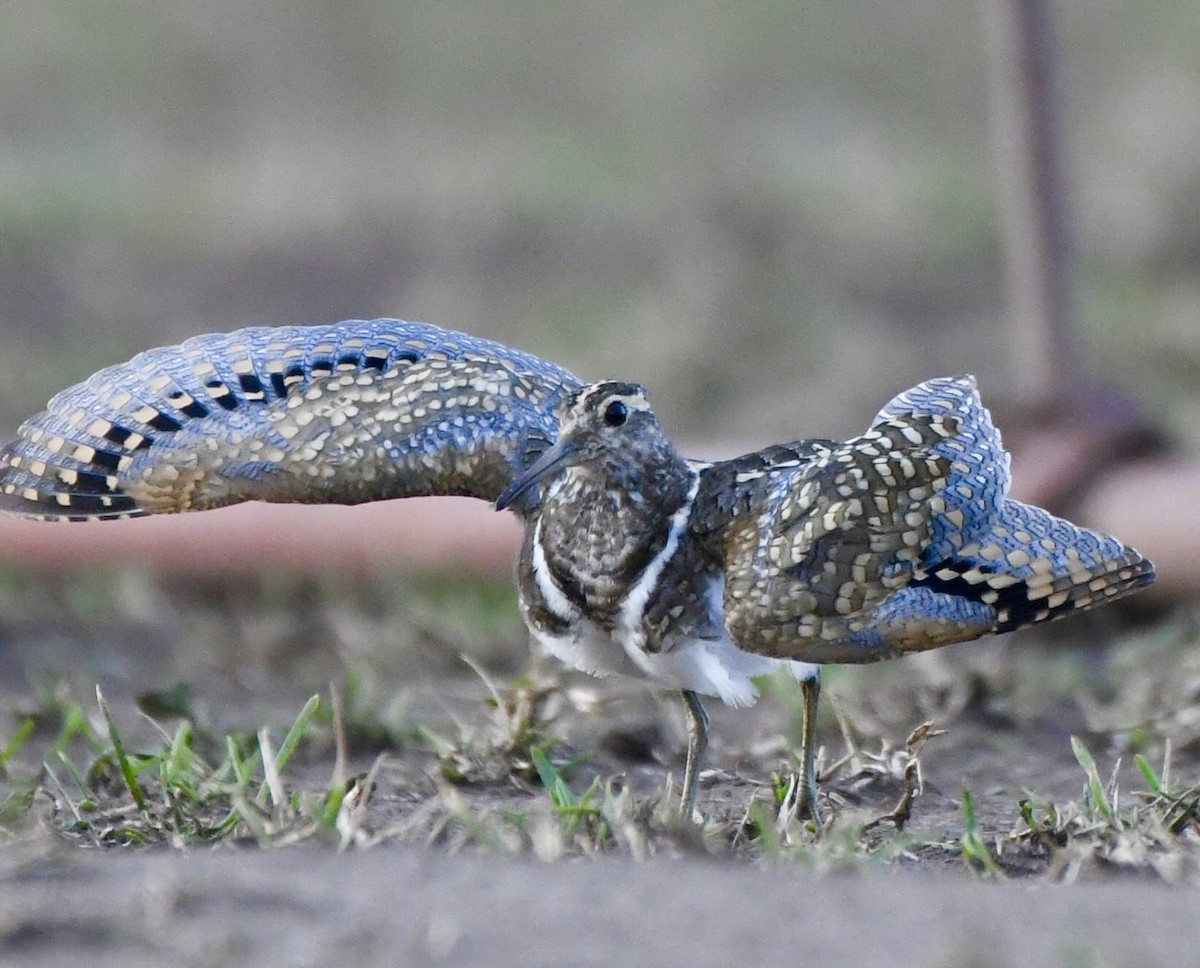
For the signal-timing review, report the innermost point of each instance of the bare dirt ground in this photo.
(411, 907)
(448, 848)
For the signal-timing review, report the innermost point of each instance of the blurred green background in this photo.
(774, 214)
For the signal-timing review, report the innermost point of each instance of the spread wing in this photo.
(904, 539)
(359, 411)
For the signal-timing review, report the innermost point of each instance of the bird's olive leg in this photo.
(806, 801)
(697, 744)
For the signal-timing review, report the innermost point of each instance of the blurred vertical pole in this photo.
(1034, 212)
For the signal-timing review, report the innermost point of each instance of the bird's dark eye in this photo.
(616, 413)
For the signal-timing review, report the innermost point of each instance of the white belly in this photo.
(715, 667)
(710, 667)
(591, 650)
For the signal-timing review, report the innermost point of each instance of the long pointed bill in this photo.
(554, 460)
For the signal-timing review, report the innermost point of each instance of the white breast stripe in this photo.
(635, 604)
(556, 601)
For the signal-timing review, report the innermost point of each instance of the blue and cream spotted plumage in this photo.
(904, 539)
(360, 411)
(699, 576)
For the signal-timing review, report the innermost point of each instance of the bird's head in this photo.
(608, 426)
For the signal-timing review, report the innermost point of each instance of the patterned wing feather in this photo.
(358, 411)
(838, 537)
(732, 489)
(904, 539)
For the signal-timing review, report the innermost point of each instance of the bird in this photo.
(700, 576)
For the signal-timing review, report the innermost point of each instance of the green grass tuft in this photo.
(974, 851)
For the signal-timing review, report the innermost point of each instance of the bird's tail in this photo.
(1031, 566)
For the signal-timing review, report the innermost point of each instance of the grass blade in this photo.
(296, 733)
(974, 850)
(24, 731)
(1095, 786)
(273, 783)
(1148, 774)
(273, 763)
(119, 749)
(175, 765)
(242, 771)
(560, 794)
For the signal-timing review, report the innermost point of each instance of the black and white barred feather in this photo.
(359, 411)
